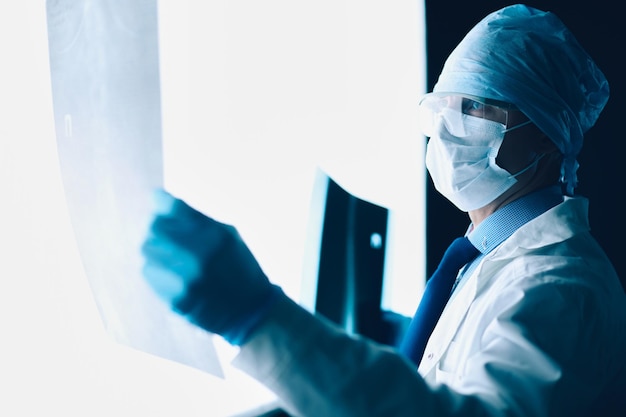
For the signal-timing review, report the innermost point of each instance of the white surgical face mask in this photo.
(464, 169)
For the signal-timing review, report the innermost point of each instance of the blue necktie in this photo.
(435, 297)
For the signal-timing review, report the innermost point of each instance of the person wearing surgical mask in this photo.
(535, 324)
(465, 156)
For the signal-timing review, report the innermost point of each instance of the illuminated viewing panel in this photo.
(233, 106)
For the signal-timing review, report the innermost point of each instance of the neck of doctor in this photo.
(543, 175)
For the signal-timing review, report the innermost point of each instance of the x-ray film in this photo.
(106, 96)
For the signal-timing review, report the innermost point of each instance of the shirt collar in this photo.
(501, 224)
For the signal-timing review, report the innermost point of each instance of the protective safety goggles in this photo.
(454, 109)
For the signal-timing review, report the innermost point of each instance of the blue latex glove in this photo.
(204, 270)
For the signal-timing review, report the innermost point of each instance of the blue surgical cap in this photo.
(527, 57)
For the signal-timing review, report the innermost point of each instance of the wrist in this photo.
(239, 333)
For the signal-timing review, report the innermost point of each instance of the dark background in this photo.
(600, 29)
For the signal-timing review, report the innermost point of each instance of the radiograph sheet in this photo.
(105, 82)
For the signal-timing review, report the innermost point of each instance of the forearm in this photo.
(317, 370)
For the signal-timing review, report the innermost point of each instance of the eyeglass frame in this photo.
(493, 106)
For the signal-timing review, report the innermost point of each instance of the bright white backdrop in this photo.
(255, 96)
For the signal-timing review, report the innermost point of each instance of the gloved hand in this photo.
(204, 270)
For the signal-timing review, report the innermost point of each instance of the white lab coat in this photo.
(538, 329)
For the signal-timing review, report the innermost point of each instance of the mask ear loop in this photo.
(533, 163)
(529, 166)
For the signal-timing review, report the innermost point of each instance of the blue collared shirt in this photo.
(496, 228)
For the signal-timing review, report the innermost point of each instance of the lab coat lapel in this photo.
(448, 323)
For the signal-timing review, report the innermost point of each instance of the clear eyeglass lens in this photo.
(433, 105)
(484, 111)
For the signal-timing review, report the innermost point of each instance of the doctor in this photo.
(536, 324)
